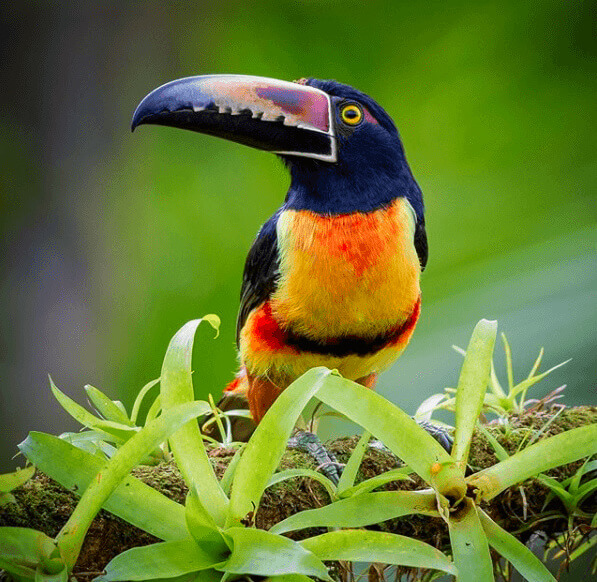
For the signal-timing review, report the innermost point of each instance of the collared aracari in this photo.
(332, 278)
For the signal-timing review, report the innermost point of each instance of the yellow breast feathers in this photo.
(354, 274)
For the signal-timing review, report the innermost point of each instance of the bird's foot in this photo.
(326, 461)
(440, 434)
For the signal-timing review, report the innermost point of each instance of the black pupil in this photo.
(351, 113)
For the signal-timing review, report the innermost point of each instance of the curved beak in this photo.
(277, 116)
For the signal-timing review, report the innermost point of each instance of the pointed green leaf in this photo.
(401, 474)
(500, 452)
(119, 433)
(140, 397)
(551, 452)
(79, 413)
(291, 473)
(267, 444)
(133, 501)
(201, 525)
(163, 560)
(228, 475)
(397, 431)
(472, 386)
(349, 474)
(508, 352)
(106, 407)
(374, 546)
(154, 409)
(529, 566)
(23, 550)
(92, 441)
(469, 545)
(428, 406)
(521, 557)
(101, 487)
(531, 380)
(187, 444)
(10, 481)
(361, 510)
(555, 487)
(262, 553)
(585, 490)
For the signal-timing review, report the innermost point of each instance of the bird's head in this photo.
(343, 150)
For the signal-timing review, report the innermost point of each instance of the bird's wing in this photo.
(420, 234)
(261, 272)
(421, 243)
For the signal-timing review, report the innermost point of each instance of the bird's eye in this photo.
(351, 114)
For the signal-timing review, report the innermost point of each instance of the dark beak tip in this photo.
(139, 118)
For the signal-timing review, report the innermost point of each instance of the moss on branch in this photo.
(44, 505)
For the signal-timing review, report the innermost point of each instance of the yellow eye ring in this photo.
(351, 114)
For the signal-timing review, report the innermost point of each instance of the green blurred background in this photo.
(112, 240)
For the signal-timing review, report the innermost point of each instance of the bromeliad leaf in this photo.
(139, 399)
(262, 553)
(427, 407)
(24, 551)
(292, 473)
(529, 566)
(92, 441)
(472, 386)
(70, 538)
(228, 475)
(398, 431)
(10, 481)
(106, 407)
(500, 452)
(134, 501)
(267, 444)
(469, 545)
(201, 525)
(361, 510)
(163, 560)
(551, 452)
(290, 578)
(368, 485)
(79, 413)
(187, 444)
(349, 474)
(372, 546)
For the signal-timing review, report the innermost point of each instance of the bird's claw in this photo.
(326, 461)
(440, 434)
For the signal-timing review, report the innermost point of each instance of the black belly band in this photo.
(349, 344)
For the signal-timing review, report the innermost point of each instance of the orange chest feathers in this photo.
(351, 274)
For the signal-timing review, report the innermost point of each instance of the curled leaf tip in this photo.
(214, 321)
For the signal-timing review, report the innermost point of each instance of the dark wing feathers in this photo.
(421, 243)
(261, 272)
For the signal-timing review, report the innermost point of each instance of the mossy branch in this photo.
(522, 510)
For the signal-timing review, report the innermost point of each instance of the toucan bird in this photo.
(332, 278)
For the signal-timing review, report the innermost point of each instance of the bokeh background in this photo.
(112, 240)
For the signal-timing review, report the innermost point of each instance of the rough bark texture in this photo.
(44, 505)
